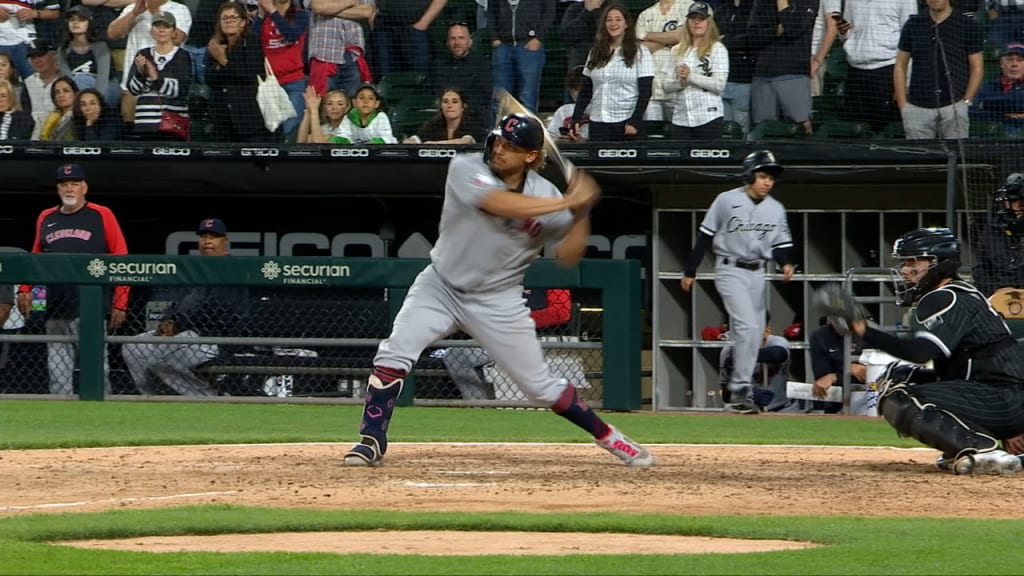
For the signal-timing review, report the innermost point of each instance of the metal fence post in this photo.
(91, 345)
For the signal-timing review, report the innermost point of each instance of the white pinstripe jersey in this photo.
(616, 86)
(700, 101)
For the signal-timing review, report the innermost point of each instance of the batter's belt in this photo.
(745, 264)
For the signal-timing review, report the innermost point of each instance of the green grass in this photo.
(908, 545)
(43, 424)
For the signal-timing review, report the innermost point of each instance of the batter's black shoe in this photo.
(365, 453)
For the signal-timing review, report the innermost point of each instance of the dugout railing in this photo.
(617, 283)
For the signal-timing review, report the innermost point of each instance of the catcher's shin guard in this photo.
(377, 410)
(932, 426)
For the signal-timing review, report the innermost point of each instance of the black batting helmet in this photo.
(519, 129)
(1011, 190)
(937, 244)
(760, 160)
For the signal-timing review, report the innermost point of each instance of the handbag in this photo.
(273, 101)
(175, 124)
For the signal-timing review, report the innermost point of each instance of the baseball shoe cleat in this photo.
(994, 462)
(631, 453)
(744, 406)
(365, 453)
(943, 463)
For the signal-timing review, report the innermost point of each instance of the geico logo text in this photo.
(172, 152)
(704, 153)
(349, 153)
(436, 153)
(261, 152)
(6, 149)
(616, 153)
(82, 151)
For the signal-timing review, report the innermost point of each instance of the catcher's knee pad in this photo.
(930, 425)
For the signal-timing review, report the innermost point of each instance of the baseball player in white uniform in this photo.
(498, 213)
(745, 227)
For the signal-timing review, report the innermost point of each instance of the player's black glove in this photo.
(840, 307)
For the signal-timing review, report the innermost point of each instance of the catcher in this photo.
(975, 394)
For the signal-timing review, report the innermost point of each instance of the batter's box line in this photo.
(115, 501)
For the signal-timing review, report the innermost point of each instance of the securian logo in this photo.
(96, 268)
(271, 270)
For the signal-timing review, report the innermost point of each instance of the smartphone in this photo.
(837, 16)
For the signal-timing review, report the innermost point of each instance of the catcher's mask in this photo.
(940, 246)
(1011, 190)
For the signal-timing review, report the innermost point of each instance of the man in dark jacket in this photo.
(518, 29)
(464, 69)
(194, 311)
(732, 17)
(780, 33)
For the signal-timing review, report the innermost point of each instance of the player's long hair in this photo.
(240, 11)
(602, 51)
(438, 122)
(704, 44)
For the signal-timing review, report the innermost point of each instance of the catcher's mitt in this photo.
(840, 307)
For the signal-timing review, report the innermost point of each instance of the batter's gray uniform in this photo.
(475, 281)
(745, 233)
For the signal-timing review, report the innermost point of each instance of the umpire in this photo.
(975, 395)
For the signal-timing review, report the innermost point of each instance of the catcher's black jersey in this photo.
(973, 337)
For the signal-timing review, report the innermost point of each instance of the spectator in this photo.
(135, 23)
(999, 252)
(1006, 22)
(401, 36)
(160, 79)
(454, 123)
(14, 124)
(780, 34)
(618, 78)
(337, 45)
(44, 61)
(104, 12)
(283, 29)
(18, 20)
(731, 17)
(57, 126)
(659, 28)
(518, 29)
(464, 69)
(870, 32)
(945, 49)
(695, 78)
(560, 123)
(577, 30)
(92, 119)
(195, 311)
(551, 311)
(235, 59)
(770, 374)
(83, 57)
(6, 303)
(827, 364)
(365, 123)
(322, 116)
(823, 36)
(1002, 99)
(204, 24)
(76, 226)
(10, 73)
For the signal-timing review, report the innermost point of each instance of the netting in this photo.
(238, 341)
(394, 71)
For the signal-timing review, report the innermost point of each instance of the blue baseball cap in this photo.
(212, 226)
(70, 172)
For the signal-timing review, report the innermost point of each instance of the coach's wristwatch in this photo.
(967, 101)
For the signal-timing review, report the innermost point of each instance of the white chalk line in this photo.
(114, 500)
(444, 484)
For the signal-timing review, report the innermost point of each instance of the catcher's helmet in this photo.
(1011, 190)
(519, 129)
(937, 244)
(760, 160)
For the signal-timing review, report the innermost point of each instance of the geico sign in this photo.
(172, 152)
(74, 150)
(6, 149)
(349, 153)
(703, 153)
(616, 153)
(435, 153)
(261, 152)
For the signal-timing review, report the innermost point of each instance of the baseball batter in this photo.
(498, 213)
(745, 227)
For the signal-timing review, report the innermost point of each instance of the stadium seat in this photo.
(732, 131)
(842, 130)
(409, 115)
(987, 129)
(399, 86)
(827, 107)
(777, 129)
(892, 131)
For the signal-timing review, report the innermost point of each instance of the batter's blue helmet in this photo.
(519, 129)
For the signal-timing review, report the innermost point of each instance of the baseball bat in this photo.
(507, 104)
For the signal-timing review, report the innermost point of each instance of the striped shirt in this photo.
(615, 86)
(168, 92)
(700, 101)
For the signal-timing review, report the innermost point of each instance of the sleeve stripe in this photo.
(787, 244)
(934, 340)
(707, 230)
